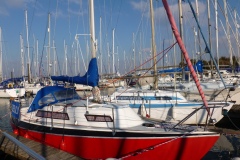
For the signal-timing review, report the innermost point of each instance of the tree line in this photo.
(223, 61)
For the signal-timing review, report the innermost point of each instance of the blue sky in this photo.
(129, 18)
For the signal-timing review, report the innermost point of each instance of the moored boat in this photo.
(91, 130)
(11, 88)
(169, 106)
(60, 118)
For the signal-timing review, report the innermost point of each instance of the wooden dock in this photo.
(10, 150)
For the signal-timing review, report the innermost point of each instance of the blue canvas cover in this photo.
(198, 68)
(11, 80)
(50, 95)
(91, 77)
(15, 109)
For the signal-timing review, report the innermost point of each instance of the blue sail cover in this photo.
(91, 77)
(50, 95)
(15, 109)
(198, 68)
(12, 80)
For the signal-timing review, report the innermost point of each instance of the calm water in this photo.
(5, 115)
(227, 147)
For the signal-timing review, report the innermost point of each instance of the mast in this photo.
(28, 51)
(108, 50)
(195, 40)
(78, 55)
(101, 46)
(113, 50)
(155, 86)
(140, 52)
(54, 58)
(198, 34)
(163, 53)
(92, 29)
(228, 34)
(206, 42)
(237, 26)
(209, 34)
(75, 58)
(37, 59)
(22, 54)
(65, 53)
(117, 71)
(134, 53)
(34, 58)
(95, 90)
(1, 72)
(181, 34)
(216, 24)
(49, 46)
(175, 63)
(184, 51)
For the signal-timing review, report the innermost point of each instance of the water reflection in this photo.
(5, 115)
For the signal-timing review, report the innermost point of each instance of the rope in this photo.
(140, 151)
(4, 115)
(167, 50)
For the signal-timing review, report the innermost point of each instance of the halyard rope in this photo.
(140, 151)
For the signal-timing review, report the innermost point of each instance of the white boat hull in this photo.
(12, 92)
(169, 106)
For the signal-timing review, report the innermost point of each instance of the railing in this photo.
(29, 151)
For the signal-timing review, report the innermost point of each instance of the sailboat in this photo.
(171, 106)
(10, 88)
(224, 85)
(60, 118)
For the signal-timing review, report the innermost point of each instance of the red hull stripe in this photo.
(133, 148)
(82, 132)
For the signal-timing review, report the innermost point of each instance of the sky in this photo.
(122, 27)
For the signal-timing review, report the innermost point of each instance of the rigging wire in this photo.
(54, 31)
(34, 8)
(55, 21)
(85, 38)
(41, 59)
(163, 52)
(4, 50)
(69, 27)
(221, 9)
(41, 72)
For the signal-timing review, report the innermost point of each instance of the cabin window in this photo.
(166, 98)
(163, 98)
(128, 98)
(98, 118)
(46, 99)
(66, 94)
(53, 115)
(141, 98)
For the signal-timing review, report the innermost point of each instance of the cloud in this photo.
(140, 6)
(16, 3)
(7, 5)
(78, 2)
(3, 11)
(71, 7)
(160, 14)
(77, 12)
(59, 13)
